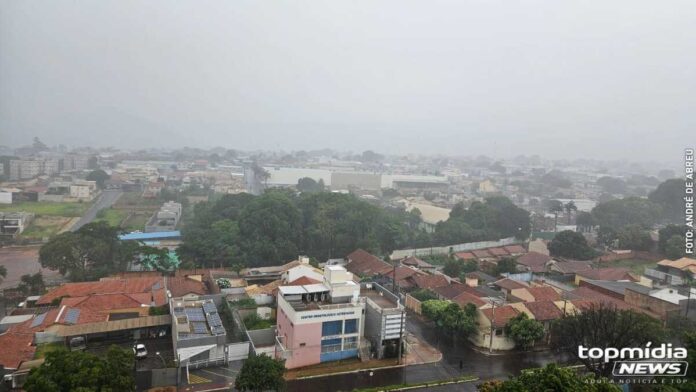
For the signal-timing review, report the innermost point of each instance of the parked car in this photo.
(140, 351)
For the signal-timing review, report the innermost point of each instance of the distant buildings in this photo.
(166, 219)
(14, 223)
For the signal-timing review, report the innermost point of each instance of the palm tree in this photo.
(555, 207)
(570, 207)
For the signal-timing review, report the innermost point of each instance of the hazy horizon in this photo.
(560, 80)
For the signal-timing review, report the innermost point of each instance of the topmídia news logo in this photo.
(659, 361)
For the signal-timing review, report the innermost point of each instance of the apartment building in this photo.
(166, 219)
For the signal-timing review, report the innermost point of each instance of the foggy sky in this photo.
(599, 79)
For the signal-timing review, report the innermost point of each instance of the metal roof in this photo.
(117, 325)
(150, 236)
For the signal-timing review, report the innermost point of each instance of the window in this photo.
(329, 328)
(498, 332)
(303, 344)
(350, 343)
(351, 326)
(331, 345)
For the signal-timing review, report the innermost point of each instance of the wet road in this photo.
(473, 363)
(105, 200)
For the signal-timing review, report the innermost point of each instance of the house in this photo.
(14, 223)
(534, 261)
(418, 263)
(531, 294)
(465, 256)
(614, 274)
(363, 264)
(544, 312)
(154, 286)
(570, 268)
(507, 285)
(198, 334)
(430, 281)
(491, 328)
(684, 267)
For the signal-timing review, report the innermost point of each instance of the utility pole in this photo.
(401, 333)
(490, 344)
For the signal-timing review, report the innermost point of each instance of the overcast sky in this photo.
(557, 78)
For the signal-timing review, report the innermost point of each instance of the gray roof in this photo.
(620, 287)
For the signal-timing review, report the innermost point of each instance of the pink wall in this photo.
(309, 334)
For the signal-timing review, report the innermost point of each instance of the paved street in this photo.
(105, 200)
(472, 363)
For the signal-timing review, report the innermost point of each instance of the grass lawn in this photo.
(45, 226)
(635, 265)
(47, 208)
(111, 216)
(43, 349)
(136, 221)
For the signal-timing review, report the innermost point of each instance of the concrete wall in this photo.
(443, 250)
(413, 304)
(660, 307)
(303, 342)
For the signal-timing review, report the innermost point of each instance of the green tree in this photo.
(612, 185)
(627, 211)
(524, 331)
(670, 196)
(307, 184)
(506, 265)
(584, 219)
(89, 253)
(607, 236)
(261, 373)
(571, 245)
(555, 207)
(634, 237)
(666, 233)
(570, 208)
(66, 371)
(452, 268)
(604, 326)
(32, 284)
(99, 176)
(423, 295)
(675, 247)
(450, 318)
(549, 378)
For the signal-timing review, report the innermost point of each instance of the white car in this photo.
(140, 351)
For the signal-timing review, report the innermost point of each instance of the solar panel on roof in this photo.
(38, 320)
(72, 315)
(209, 307)
(199, 328)
(195, 314)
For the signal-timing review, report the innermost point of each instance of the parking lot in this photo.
(162, 345)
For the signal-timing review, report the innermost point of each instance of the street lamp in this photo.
(164, 363)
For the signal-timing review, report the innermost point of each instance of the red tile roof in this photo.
(403, 273)
(180, 286)
(466, 298)
(515, 249)
(416, 262)
(544, 310)
(452, 290)
(362, 263)
(104, 286)
(510, 284)
(534, 261)
(16, 346)
(107, 302)
(607, 274)
(572, 267)
(503, 314)
(587, 294)
(429, 281)
(499, 251)
(465, 256)
(544, 293)
(481, 253)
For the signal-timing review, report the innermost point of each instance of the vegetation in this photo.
(423, 295)
(634, 237)
(261, 373)
(505, 265)
(669, 195)
(549, 378)
(91, 252)
(99, 176)
(111, 216)
(307, 184)
(524, 331)
(571, 245)
(628, 211)
(65, 371)
(253, 321)
(31, 284)
(455, 268)
(420, 385)
(450, 318)
(604, 326)
(47, 208)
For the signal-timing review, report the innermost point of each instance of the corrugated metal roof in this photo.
(117, 325)
(149, 236)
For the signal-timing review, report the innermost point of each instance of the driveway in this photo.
(107, 198)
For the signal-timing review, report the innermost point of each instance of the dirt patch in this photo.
(21, 261)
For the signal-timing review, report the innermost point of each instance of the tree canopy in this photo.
(524, 331)
(628, 211)
(549, 378)
(669, 195)
(604, 326)
(91, 252)
(450, 318)
(65, 371)
(261, 373)
(571, 245)
(99, 176)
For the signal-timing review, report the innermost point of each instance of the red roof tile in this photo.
(362, 263)
(572, 267)
(515, 249)
(180, 286)
(416, 262)
(481, 253)
(607, 274)
(587, 294)
(503, 314)
(544, 293)
(466, 298)
(544, 310)
(429, 281)
(104, 286)
(452, 290)
(16, 346)
(302, 280)
(499, 251)
(510, 284)
(465, 256)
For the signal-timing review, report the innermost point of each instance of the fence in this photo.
(640, 255)
(413, 304)
(444, 250)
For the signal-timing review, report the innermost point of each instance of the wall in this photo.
(5, 197)
(652, 304)
(309, 334)
(481, 338)
(413, 304)
(443, 250)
